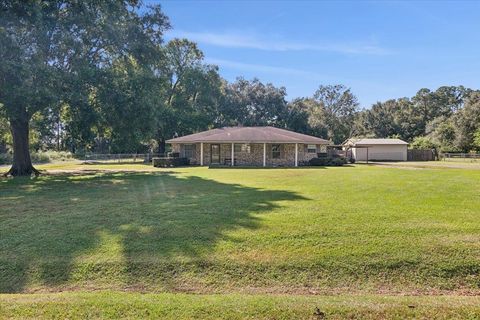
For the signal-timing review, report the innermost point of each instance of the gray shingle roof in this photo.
(364, 142)
(249, 135)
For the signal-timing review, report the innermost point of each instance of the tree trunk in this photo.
(58, 133)
(161, 146)
(22, 164)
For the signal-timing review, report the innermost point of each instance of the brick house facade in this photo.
(252, 146)
(248, 154)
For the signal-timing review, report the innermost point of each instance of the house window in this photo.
(188, 150)
(311, 148)
(242, 147)
(275, 151)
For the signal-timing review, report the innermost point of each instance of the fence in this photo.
(121, 157)
(461, 156)
(421, 155)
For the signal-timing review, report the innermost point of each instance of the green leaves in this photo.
(330, 113)
(253, 103)
(446, 117)
(61, 52)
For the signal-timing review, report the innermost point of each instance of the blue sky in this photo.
(380, 49)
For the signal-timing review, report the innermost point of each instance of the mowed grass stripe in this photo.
(115, 305)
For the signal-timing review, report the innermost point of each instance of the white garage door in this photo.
(379, 153)
(386, 156)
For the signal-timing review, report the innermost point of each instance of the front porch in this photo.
(248, 154)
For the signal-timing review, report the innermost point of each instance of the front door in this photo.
(215, 154)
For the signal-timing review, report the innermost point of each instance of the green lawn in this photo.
(444, 164)
(268, 239)
(115, 305)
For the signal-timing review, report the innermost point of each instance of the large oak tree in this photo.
(53, 52)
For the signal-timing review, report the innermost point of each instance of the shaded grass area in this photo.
(118, 229)
(313, 230)
(114, 305)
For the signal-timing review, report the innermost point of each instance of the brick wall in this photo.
(252, 158)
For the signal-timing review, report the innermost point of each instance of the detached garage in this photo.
(377, 149)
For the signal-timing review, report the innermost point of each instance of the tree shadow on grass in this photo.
(118, 229)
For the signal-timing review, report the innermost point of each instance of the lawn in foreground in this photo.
(363, 229)
(115, 305)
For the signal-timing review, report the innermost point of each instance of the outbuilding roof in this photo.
(371, 142)
(248, 135)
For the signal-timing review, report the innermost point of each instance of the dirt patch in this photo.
(426, 165)
(398, 166)
(305, 291)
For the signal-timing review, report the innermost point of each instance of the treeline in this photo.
(134, 112)
(448, 119)
(98, 76)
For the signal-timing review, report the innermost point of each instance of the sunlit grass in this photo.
(115, 305)
(364, 229)
(443, 164)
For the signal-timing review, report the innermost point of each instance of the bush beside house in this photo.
(170, 162)
(328, 161)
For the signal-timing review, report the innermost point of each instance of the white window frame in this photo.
(311, 148)
(244, 147)
(191, 151)
(279, 151)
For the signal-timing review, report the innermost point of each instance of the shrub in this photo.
(318, 161)
(50, 156)
(6, 158)
(40, 157)
(337, 161)
(170, 162)
(328, 161)
(423, 143)
(351, 160)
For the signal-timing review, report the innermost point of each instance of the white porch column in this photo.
(264, 154)
(233, 154)
(201, 153)
(296, 154)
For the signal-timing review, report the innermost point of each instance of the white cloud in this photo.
(263, 68)
(236, 40)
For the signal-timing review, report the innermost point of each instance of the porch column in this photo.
(201, 153)
(233, 154)
(264, 154)
(296, 154)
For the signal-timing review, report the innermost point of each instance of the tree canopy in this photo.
(97, 76)
(56, 52)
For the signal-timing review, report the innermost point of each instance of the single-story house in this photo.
(248, 146)
(377, 149)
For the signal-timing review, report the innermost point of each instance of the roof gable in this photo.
(367, 141)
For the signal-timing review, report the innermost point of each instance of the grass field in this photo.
(115, 305)
(447, 164)
(357, 241)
